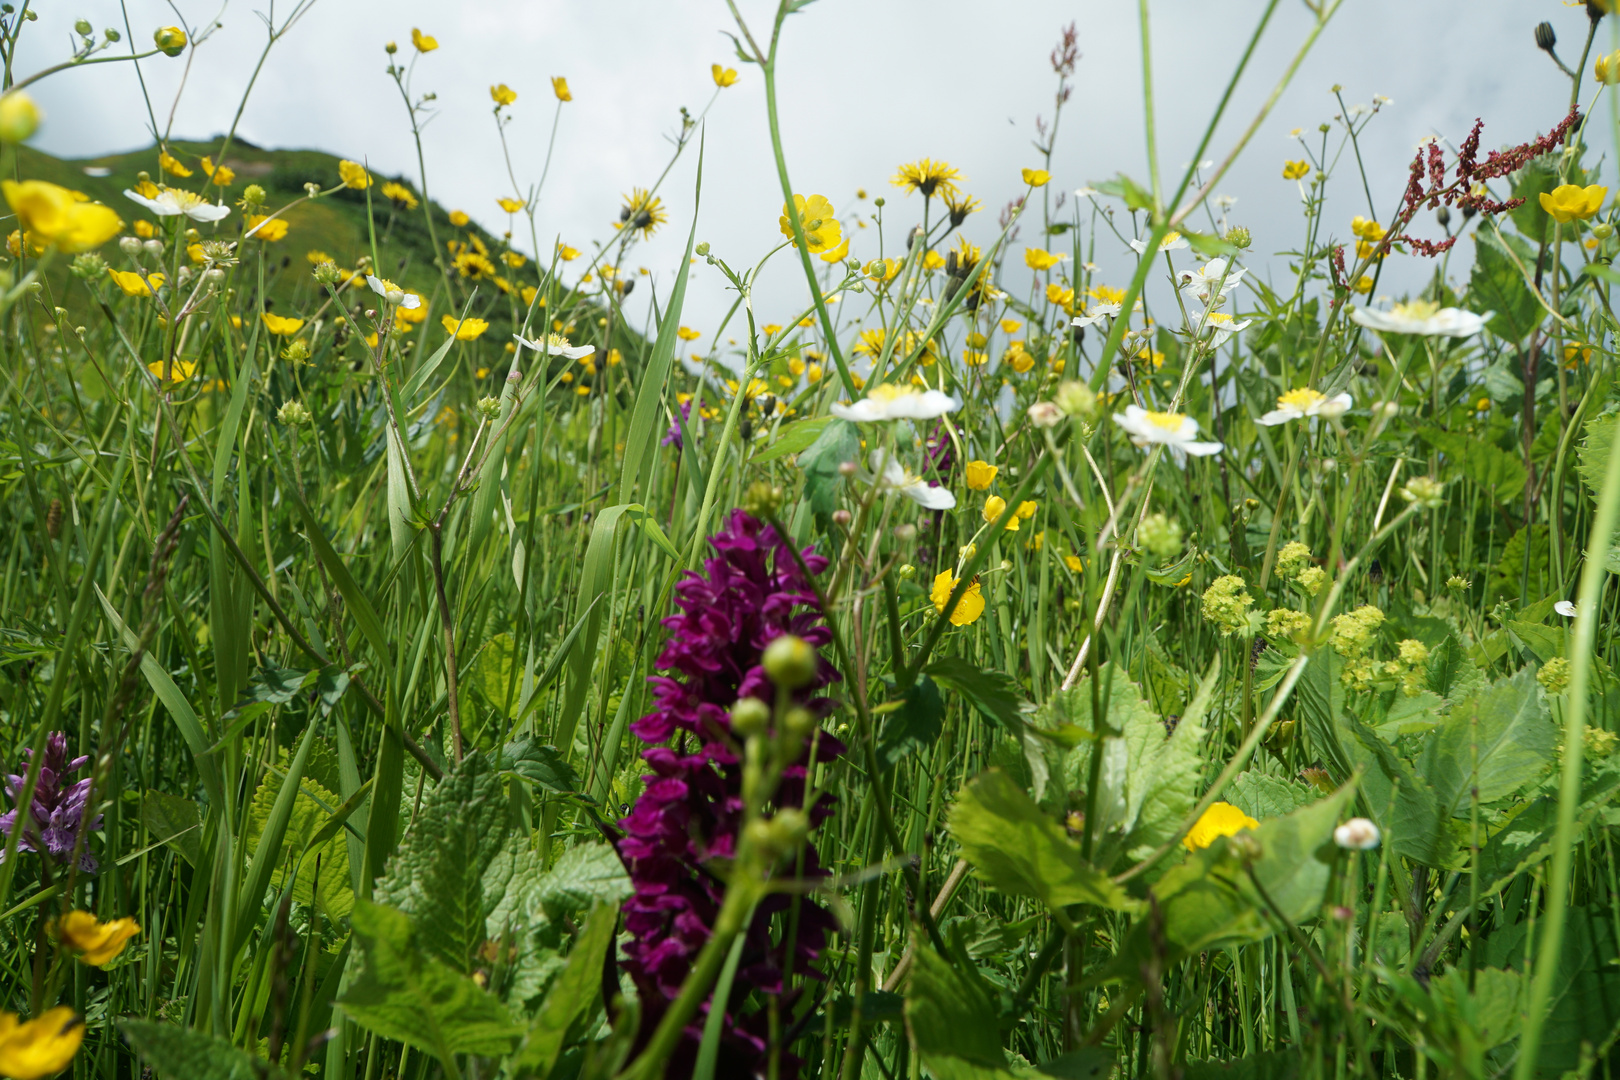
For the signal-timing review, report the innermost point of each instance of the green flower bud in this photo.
(1239, 237)
(170, 40)
(327, 273)
(1227, 603)
(750, 717)
(791, 662)
(1426, 491)
(489, 407)
(1076, 399)
(83, 28)
(1554, 675)
(763, 500)
(292, 413)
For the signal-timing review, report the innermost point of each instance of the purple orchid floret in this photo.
(57, 811)
(691, 810)
(672, 437)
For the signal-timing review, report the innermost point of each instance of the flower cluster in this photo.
(57, 811)
(684, 828)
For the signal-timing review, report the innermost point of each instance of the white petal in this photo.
(526, 343)
(859, 413)
(162, 209)
(1337, 405)
(1201, 449)
(208, 212)
(372, 280)
(577, 351)
(929, 498)
(1565, 608)
(411, 301)
(1277, 416)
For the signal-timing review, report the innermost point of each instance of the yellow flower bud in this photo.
(170, 40)
(19, 117)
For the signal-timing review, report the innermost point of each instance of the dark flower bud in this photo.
(1443, 216)
(1545, 37)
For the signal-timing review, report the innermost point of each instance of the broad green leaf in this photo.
(1492, 468)
(1540, 175)
(915, 725)
(492, 671)
(1585, 1003)
(1015, 846)
(1497, 285)
(1136, 197)
(792, 438)
(575, 992)
(1261, 796)
(174, 821)
(1526, 839)
(998, 697)
(179, 1053)
(310, 815)
(838, 442)
(1457, 1023)
(1208, 244)
(582, 877)
(405, 993)
(1452, 673)
(1595, 449)
(1498, 742)
(438, 876)
(950, 1015)
(541, 765)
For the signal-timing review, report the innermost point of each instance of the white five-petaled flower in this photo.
(1304, 403)
(1565, 608)
(555, 345)
(173, 201)
(1098, 313)
(1422, 317)
(889, 473)
(1173, 241)
(1215, 278)
(393, 293)
(891, 402)
(1220, 326)
(1357, 834)
(1174, 430)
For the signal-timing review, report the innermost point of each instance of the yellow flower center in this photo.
(185, 200)
(557, 341)
(1169, 421)
(890, 392)
(1417, 309)
(1301, 399)
(1219, 318)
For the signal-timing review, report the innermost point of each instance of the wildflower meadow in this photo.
(1079, 638)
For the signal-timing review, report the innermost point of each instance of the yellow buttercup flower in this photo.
(266, 228)
(459, 218)
(511, 206)
(172, 165)
(97, 942)
(686, 333)
(1221, 819)
(839, 253)
(559, 86)
(1296, 170)
(398, 194)
(981, 474)
(1570, 202)
(170, 40)
(354, 175)
(281, 325)
(469, 328)
(56, 216)
(929, 177)
(132, 284)
(40, 1047)
(471, 264)
(513, 259)
(994, 507)
(424, 43)
(821, 228)
(1037, 259)
(1026, 510)
(566, 253)
(19, 117)
(968, 608)
(178, 372)
(502, 94)
(1036, 177)
(723, 76)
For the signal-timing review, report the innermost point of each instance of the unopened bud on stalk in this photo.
(763, 499)
(750, 717)
(327, 273)
(791, 662)
(799, 723)
(846, 468)
(841, 518)
(253, 195)
(789, 828)
(703, 248)
(19, 117)
(489, 407)
(170, 40)
(1602, 230)
(1443, 216)
(391, 48)
(292, 413)
(907, 572)
(905, 533)
(130, 245)
(1076, 399)
(1426, 491)
(1045, 414)
(1239, 237)
(1546, 38)
(153, 247)
(83, 28)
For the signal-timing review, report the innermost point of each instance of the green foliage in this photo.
(1497, 285)
(178, 1053)
(310, 814)
(836, 443)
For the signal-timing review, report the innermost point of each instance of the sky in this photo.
(863, 87)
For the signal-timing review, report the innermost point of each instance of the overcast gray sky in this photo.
(864, 87)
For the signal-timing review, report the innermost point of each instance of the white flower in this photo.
(1565, 608)
(1304, 403)
(393, 293)
(1172, 429)
(1172, 242)
(1085, 192)
(890, 402)
(892, 475)
(555, 345)
(1357, 834)
(1045, 414)
(1098, 314)
(1422, 317)
(1203, 281)
(172, 201)
(1380, 100)
(1221, 326)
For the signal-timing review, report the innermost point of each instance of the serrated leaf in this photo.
(583, 877)
(1486, 464)
(915, 725)
(1496, 743)
(175, 822)
(997, 696)
(541, 765)
(949, 1015)
(838, 442)
(1261, 796)
(178, 1053)
(405, 993)
(1015, 846)
(311, 812)
(574, 992)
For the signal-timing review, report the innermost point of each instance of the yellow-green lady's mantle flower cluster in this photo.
(1554, 675)
(1294, 564)
(1353, 637)
(1286, 623)
(1227, 603)
(1161, 537)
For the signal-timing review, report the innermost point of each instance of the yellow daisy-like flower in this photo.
(1221, 819)
(502, 94)
(41, 1047)
(354, 175)
(642, 212)
(1570, 202)
(968, 608)
(511, 206)
(266, 228)
(132, 284)
(981, 474)
(281, 325)
(468, 329)
(1037, 259)
(56, 216)
(471, 264)
(400, 195)
(959, 205)
(172, 165)
(559, 86)
(821, 228)
(929, 177)
(994, 507)
(1036, 177)
(97, 943)
(723, 76)
(459, 218)
(424, 43)
(514, 259)
(1296, 170)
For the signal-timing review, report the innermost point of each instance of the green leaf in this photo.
(838, 442)
(1486, 464)
(438, 876)
(173, 821)
(998, 697)
(419, 378)
(1497, 742)
(1497, 285)
(915, 725)
(1015, 846)
(1452, 673)
(950, 1015)
(582, 877)
(1585, 1003)
(354, 598)
(272, 836)
(405, 993)
(1268, 1065)
(1209, 245)
(310, 814)
(1538, 176)
(792, 438)
(1136, 197)
(575, 991)
(178, 1053)
(1261, 796)
(541, 765)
